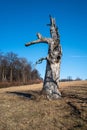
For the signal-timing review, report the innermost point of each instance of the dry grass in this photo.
(23, 108)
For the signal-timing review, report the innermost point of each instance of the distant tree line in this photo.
(16, 69)
(69, 78)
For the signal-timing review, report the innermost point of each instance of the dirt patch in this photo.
(24, 108)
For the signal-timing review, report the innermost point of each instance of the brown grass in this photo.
(23, 108)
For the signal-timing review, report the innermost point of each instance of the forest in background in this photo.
(16, 71)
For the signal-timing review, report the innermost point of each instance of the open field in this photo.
(23, 108)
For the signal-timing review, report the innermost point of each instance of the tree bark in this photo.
(51, 81)
(11, 74)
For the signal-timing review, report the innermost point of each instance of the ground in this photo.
(23, 108)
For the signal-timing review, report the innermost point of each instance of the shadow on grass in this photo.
(30, 95)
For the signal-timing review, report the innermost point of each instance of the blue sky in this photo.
(20, 20)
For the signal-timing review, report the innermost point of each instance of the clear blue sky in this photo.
(20, 20)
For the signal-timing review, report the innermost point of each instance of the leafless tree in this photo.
(11, 57)
(51, 81)
(35, 74)
(3, 67)
(25, 70)
(15, 69)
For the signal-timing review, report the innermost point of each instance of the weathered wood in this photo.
(51, 81)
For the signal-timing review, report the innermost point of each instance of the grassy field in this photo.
(23, 108)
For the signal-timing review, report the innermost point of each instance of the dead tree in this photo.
(51, 81)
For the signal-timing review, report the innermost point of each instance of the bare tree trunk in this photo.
(23, 76)
(3, 75)
(51, 81)
(11, 74)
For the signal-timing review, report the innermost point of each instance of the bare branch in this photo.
(39, 40)
(40, 60)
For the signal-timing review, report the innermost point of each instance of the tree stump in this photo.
(51, 80)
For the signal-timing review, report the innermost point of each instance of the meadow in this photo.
(24, 108)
